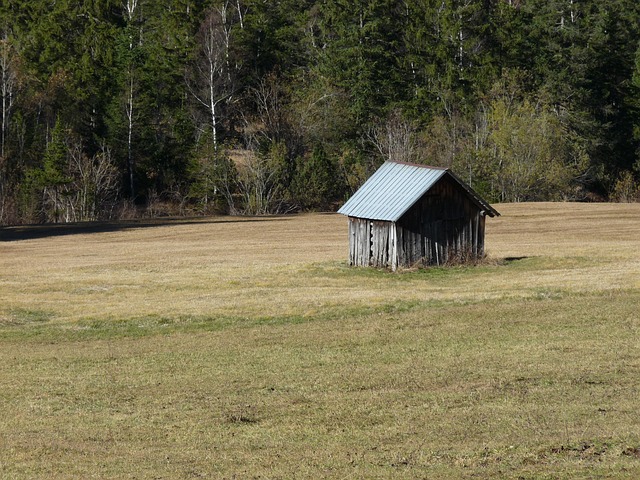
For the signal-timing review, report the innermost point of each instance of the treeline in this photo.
(111, 108)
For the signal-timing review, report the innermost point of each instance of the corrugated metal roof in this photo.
(391, 191)
(395, 187)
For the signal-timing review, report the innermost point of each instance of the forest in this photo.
(124, 108)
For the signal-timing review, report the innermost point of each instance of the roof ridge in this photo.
(411, 164)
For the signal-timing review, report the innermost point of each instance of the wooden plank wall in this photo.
(444, 226)
(359, 242)
(442, 241)
(380, 243)
(370, 242)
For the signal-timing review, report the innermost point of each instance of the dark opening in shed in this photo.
(406, 215)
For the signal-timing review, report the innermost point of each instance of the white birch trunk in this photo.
(240, 15)
(7, 87)
(129, 112)
(130, 10)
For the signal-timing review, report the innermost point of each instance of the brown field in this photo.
(246, 348)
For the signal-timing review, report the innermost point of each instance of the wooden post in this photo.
(393, 246)
(352, 242)
(476, 241)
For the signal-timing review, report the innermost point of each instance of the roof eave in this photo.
(390, 178)
(483, 205)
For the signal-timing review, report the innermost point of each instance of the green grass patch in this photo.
(24, 317)
(516, 388)
(136, 327)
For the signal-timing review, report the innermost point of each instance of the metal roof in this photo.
(395, 187)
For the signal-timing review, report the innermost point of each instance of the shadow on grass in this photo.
(514, 259)
(33, 232)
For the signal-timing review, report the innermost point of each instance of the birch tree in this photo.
(8, 84)
(212, 82)
(8, 90)
(134, 37)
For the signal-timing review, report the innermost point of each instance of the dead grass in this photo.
(245, 348)
(248, 267)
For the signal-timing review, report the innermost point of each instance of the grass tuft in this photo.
(23, 316)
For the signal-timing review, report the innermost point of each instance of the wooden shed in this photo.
(406, 215)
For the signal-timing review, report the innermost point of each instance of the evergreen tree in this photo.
(634, 107)
(363, 53)
(162, 135)
(318, 182)
(584, 63)
(50, 181)
(302, 87)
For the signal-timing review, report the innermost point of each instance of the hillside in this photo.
(111, 109)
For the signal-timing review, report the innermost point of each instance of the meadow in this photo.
(235, 348)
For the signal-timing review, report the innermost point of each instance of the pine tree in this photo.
(633, 103)
(362, 55)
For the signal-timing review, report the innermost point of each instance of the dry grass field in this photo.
(246, 348)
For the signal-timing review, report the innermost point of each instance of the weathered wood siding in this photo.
(371, 242)
(443, 226)
(359, 242)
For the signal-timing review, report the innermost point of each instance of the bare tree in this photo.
(74, 186)
(276, 119)
(213, 77)
(258, 186)
(395, 139)
(268, 97)
(95, 183)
